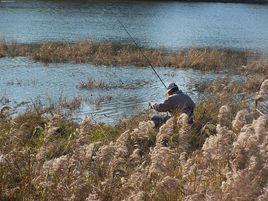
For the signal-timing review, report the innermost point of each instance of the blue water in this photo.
(23, 80)
(171, 25)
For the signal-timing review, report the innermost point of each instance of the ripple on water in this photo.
(23, 80)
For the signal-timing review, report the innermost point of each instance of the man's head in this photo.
(172, 88)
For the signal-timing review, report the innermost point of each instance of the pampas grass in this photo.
(53, 158)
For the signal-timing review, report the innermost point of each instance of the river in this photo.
(23, 80)
(170, 25)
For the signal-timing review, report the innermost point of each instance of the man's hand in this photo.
(151, 104)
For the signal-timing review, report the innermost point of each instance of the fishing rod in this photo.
(139, 48)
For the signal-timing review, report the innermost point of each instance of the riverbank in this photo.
(222, 157)
(113, 54)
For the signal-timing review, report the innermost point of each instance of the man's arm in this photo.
(163, 107)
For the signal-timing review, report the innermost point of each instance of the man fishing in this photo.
(176, 103)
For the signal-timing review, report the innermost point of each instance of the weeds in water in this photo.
(125, 55)
(99, 100)
(92, 84)
(72, 105)
(18, 82)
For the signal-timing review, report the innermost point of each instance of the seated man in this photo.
(176, 103)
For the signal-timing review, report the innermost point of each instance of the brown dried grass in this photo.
(107, 53)
(93, 84)
(246, 86)
(260, 66)
(75, 175)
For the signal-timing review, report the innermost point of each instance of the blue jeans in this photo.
(159, 120)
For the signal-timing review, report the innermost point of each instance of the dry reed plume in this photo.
(222, 157)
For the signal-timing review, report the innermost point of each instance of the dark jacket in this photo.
(178, 102)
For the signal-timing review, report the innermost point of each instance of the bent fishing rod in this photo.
(139, 48)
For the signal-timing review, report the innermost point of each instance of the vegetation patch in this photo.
(223, 156)
(112, 54)
(93, 84)
(43, 154)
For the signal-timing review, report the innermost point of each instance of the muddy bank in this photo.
(112, 54)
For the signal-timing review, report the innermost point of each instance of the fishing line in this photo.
(139, 48)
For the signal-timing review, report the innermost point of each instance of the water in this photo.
(171, 25)
(23, 80)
